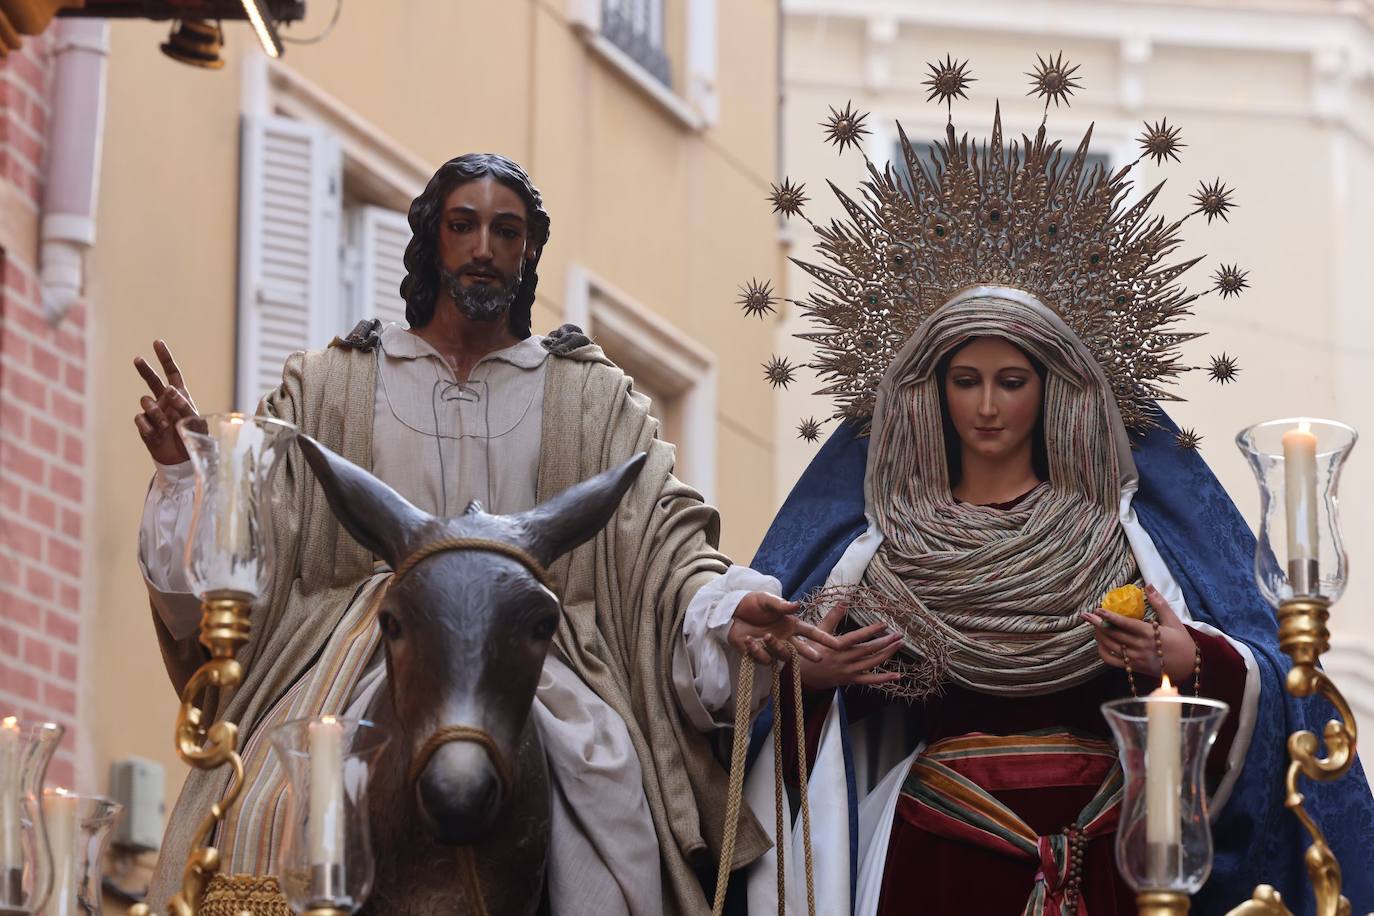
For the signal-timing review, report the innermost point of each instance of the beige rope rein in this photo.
(734, 800)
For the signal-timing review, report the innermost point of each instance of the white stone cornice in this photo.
(1281, 27)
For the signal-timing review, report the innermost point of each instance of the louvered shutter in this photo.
(380, 237)
(289, 238)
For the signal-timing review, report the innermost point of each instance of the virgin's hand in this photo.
(852, 658)
(1120, 637)
(168, 403)
(766, 628)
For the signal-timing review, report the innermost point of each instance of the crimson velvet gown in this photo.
(961, 877)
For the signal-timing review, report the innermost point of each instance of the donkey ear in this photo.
(574, 516)
(377, 516)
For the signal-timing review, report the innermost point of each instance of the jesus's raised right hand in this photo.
(168, 402)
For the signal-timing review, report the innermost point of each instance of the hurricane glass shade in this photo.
(1286, 566)
(79, 829)
(26, 748)
(1173, 856)
(229, 552)
(325, 857)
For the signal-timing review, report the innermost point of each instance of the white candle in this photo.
(11, 852)
(59, 817)
(1300, 492)
(228, 522)
(1163, 768)
(325, 831)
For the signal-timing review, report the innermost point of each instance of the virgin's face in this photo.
(994, 397)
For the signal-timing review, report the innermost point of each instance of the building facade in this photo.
(250, 211)
(1276, 98)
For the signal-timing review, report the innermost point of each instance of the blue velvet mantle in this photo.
(1210, 550)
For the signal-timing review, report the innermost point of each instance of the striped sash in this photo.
(948, 779)
(250, 833)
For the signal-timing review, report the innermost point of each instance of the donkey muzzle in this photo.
(461, 779)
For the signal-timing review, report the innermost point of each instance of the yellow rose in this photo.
(1128, 601)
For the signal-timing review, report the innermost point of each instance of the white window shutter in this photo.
(380, 237)
(289, 236)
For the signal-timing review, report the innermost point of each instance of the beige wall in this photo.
(1277, 102)
(670, 215)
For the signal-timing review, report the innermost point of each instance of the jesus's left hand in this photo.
(766, 628)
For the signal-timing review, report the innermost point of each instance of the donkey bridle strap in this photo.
(451, 733)
(485, 545)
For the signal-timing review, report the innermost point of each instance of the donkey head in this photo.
(466, 630)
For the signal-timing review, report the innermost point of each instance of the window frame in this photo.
(679, 365)
(696, 105)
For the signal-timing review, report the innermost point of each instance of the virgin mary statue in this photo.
(997, 329)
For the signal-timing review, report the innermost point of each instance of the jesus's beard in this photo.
(480, 302)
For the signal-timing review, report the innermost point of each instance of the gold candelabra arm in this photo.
(1303, 637)
(1265, 902)
(224, 627)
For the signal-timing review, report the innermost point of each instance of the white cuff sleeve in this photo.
(162, 537)
(714, 663)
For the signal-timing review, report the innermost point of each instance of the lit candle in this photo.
(11, 852)
(1300, 493)
(227, 525)
(1163, 769)
(325, 831)
(59, 818)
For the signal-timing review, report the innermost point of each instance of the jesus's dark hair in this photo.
(420, 288)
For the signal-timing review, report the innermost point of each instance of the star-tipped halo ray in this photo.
(1214, 200)
(788, 198)
(845, 128)
(1161, 141)
(779, 372)
(948, 81)
(1052, 80)
(1230, 280)
(1223, 369)
(756, 298)
(809, 429)
(1187, 439)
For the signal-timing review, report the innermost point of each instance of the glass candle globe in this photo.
(229, 552)
(1297, 463)
(26, 748)
(325, 857)
(78, 830)
(1163, 837)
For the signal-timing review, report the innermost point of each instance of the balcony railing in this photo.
(636, 27)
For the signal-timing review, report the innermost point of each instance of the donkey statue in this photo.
(460, 805)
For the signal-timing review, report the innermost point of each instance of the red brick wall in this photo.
(42, 445)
